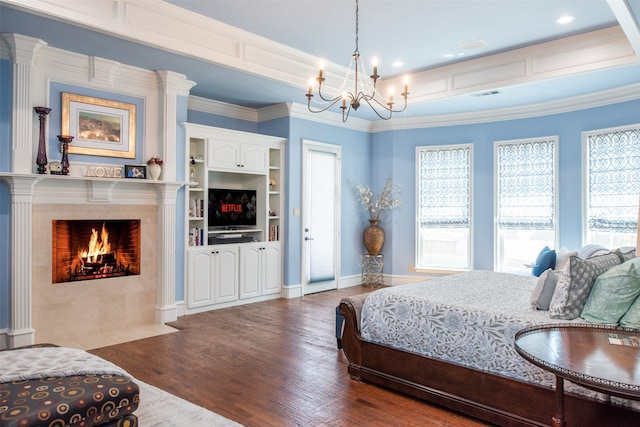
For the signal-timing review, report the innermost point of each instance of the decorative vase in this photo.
(154, 171)
(41, 159)
(373, 237)
(65, 140)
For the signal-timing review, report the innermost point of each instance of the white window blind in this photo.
(444, 187)
(613, 180)
(526, 184)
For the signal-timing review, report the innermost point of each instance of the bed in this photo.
(57, 386)
(449, 341)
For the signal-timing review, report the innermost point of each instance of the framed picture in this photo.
(135, 171)
(100, 127)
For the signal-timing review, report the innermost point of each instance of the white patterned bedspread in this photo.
(469, 319)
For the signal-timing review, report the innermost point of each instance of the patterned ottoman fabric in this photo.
(80, 400)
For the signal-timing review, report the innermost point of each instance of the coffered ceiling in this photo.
(461, 56)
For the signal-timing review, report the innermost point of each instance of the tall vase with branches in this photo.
(376, 205)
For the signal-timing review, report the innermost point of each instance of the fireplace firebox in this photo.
(95, 249)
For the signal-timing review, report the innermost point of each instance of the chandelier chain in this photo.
(353, 100)
(357, 51)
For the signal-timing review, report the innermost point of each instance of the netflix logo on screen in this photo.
(231, 207)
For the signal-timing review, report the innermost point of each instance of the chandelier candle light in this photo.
(352, 100)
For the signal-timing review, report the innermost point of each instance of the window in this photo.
(444, 207)
(525, 201)
(612, 175)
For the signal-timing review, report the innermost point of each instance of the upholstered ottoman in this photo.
(33, 397)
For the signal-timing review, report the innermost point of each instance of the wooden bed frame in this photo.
(489, 397)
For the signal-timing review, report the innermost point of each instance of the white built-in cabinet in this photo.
(221, 275)
(260, 272)
(214, 273)
(238, 157)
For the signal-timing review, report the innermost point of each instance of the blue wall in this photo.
(356, 168)
(200, 118)
(372, 158)
(398, 148)
(368, 159)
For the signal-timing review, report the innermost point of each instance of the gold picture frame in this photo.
(101, 127)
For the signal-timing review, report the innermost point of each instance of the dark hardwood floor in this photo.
(273, 363)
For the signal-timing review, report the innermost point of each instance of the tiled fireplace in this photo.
(71, 310)
(58, 295)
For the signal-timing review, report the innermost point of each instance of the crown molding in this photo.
(224, 109)
(599, 99)
(300, 111)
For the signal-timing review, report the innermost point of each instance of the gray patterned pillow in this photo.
(575, 283)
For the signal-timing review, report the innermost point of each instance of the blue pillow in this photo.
(546, 259)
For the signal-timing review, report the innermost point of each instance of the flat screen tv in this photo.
(232, 208)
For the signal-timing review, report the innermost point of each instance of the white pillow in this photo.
(562, 256)
(543, 292)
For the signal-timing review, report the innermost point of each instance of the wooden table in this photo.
(601, 358)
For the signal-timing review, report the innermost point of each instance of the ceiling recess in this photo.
(476, 44)
(487, 93)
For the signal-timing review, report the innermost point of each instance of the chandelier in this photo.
(364, 90)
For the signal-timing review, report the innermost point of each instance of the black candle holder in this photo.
(41, 159)
(65, 140)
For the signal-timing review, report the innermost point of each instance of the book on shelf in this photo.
(196, 236)
(196, 208)
(274, 233)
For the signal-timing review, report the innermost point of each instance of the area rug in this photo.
(162, 409)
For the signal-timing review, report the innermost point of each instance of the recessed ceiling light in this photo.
(397, 64)
(565, 19)
(449, 55)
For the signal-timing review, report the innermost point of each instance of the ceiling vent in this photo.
(487, 93)
(472, 45)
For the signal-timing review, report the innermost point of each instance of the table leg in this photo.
(558, 417)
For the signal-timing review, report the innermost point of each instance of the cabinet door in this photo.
(223, 155)
(254, 158)
(225, 283)
(250, 270)
(271, 283)
(200, 267)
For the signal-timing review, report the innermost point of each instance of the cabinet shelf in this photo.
(239, 231)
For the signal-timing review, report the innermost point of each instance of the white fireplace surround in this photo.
(29, 190)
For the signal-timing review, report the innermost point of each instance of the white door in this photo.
(321, 216)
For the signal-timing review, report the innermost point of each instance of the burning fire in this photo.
(98, 246)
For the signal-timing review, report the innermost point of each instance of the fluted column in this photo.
(21, 331)
(172, 85)
(166, 309)
(23, 51)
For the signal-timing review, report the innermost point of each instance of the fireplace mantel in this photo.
(27, 190)
(67, 189)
